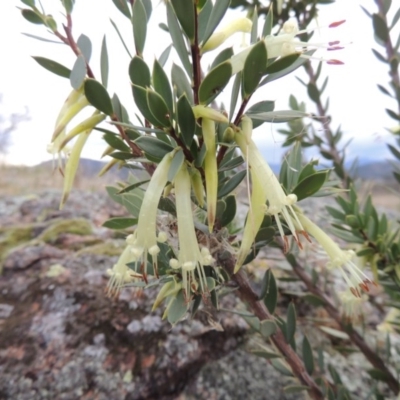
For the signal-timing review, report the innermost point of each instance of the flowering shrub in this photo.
(183, 233)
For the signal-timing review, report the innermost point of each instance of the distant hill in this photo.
(376, 170)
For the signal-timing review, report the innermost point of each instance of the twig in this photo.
(249, 296)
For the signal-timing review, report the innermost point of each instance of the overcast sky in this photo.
(356, 103)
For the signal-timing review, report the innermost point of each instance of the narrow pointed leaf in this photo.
(161, 85)
(122, 6)
(204, 17)
(254, 68)
(176, 165)
(32, 17)
(177, 39)
(78, 73)
(271, 294)
(214, 82)
(97, 96)
(104, 62)
(267, 28)
(231, 184)
(308, 356)
(139, 23)
(186, 120)
(156, 148)
(85, 46)
(120, 37)
(282, 63)
(164, 55)
(181, 83)
(120, 223)
(229, 213)
(380, 28)
(224, 55)
(267, 328)
(158, 108)
(53, 67)
(218, 12)
(139, 72)
(184, 11)
(310, 185)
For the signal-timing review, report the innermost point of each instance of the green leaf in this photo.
(158, 108)
(267, 328)
(181, 83)
(279, 116)
(132, 187)
(308, 356)
(262, 106)
(122, 6)
(231, 164)
(186, 120)
(164, 55)
(177, 39)
(395, 18)
(156, 148)
(235, 93)
(184, 11)
(214, 82)
(161, 85)
(104, 62)
(30, 3)
(32, 17)
(231, 184)
(167, 205)
(313, 92)
(85, 46)
(119, 109)
(148, 7)
(139, 23)
(280, 367)
(267, 29)
(140, 96)
(295, 388)
(204, 17)
(115, 142)
(310, 185)
(224, 55)
(313, 300)
(121, 38)
(277, 75)
(254, 68)
(42, 39)
(176, 165)
(68, 5)
(282, 63)
(97, 96)
(380, 28)
(53, 66)
(218, 12)
(121, 155)
(265, 354)
(120, 223)
(78, 73)
(290, 322)
(139, 72)
(254, 28)
(131, 201)
(178, 308)
(230, 211)
(271, 293)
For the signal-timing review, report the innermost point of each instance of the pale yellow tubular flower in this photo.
(254, 220)
(210, 170)
(197, 185)
(279, 204)
(287, 43)
(120, 274)
(88, 123)
(144, 240)
(190, 258)
(200, 111)
(69, 113)
(54, 148)
(72, 165)
(339, 259)
(108, 166)
(216, 39)
(351, 305)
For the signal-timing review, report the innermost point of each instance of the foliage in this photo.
(188, 239)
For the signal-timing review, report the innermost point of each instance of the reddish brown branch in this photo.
(249, 296)
(355, 337)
